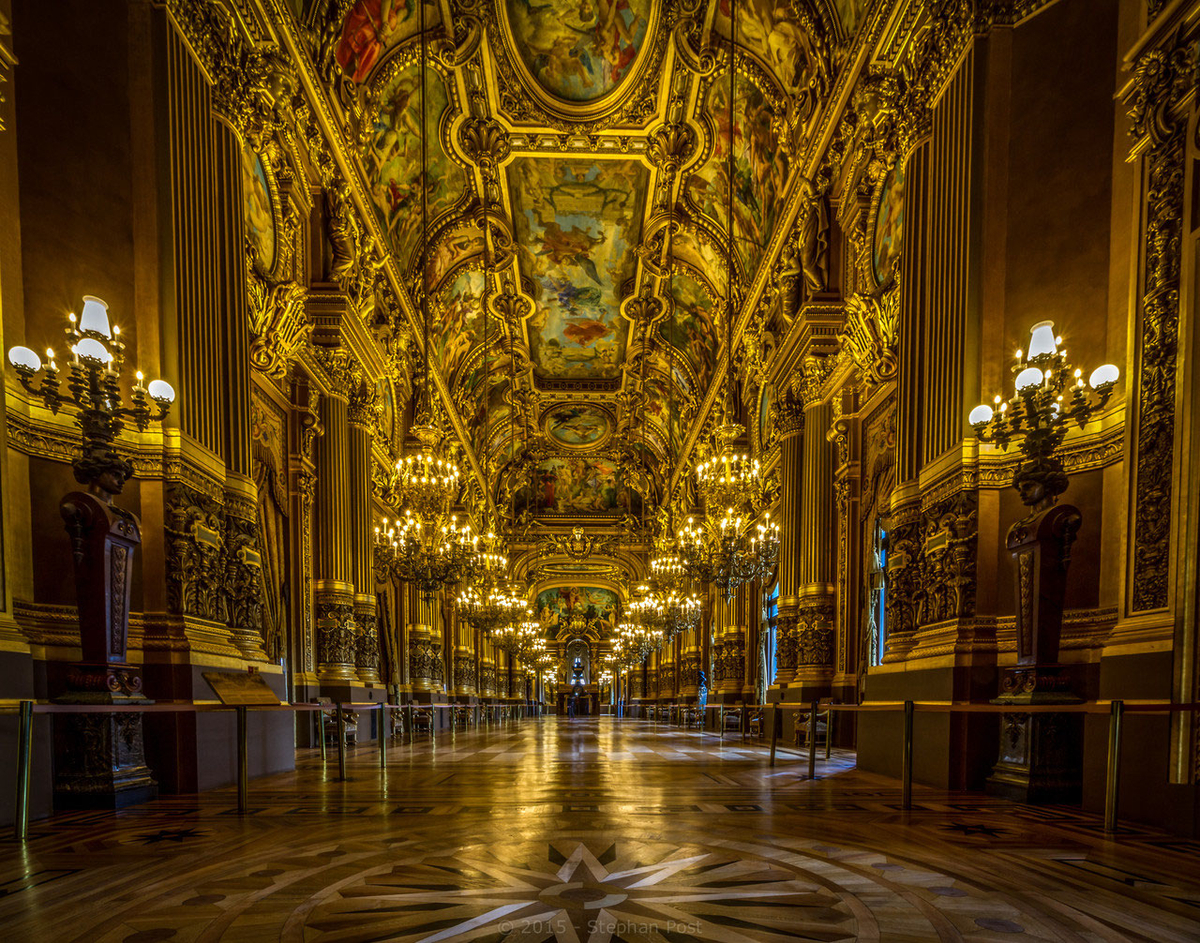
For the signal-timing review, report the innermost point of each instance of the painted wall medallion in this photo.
(259, 211)
(578, 426)
(889, 226)
(579, 50)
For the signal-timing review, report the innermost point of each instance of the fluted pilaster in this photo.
(818, 562)
(337, 629)
(361, 530)
(790, 423)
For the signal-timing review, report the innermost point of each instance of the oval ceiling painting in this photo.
(578, 426)
(577, 50)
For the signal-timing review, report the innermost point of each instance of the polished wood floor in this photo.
(590, 830)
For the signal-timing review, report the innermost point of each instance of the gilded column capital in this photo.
(814, 371)
(789, 417)
(342, 372)
(363, 407)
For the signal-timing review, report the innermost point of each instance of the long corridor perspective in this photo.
(592, 829)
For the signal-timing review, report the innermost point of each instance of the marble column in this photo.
(789, 423)
(333, 588)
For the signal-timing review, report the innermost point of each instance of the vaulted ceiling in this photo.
(581, 133)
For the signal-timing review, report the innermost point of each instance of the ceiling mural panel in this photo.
(690, 328)
(760, 168)
(570, 485)
(393, 159)
(593, 603)
(577, 222)
(373, 27)
(459, 321)
(577, 50)
(578, 426)
(776, 36)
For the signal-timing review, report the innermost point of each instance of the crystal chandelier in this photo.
(426, 555)
(491, 605)
(730, 550)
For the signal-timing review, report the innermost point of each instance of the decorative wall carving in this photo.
(1162, 78)
(336, 632)
(870, 335)
(950, 532)
(814, 633)
(195, 544)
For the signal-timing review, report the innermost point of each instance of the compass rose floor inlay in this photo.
(591, 831)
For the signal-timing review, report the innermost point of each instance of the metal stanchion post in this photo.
(383, 736)
(341, 738)
(812, 739)
(1113, 779)
(721, 719)
(242, 773)
(24, 763)
(321, 733)
(906, 757)
(774, 730)
(829, 730)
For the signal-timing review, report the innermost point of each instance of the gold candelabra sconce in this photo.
(93, 386)
(1048, 395)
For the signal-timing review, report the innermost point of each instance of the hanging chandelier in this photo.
(492, 608)
(424, 554)
(732, 545)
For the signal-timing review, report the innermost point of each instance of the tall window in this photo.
(772, 613)
(877, 605)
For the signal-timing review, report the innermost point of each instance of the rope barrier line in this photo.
(1116, 709)
(27, 708)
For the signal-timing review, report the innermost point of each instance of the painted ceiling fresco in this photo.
(393, 159)
(577, 222)
(372, 27)
(690, 328)
(576, 50)
(574, 91)
(459, 321)
(760, 168)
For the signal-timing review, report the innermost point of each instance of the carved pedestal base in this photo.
(100, 758)
(1041, 754)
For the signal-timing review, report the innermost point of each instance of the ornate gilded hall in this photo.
(599, 470)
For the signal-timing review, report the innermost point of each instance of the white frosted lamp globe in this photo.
(1028, 378)
(161, 391)
(93, 351)
(25, 359)
(94, 316)
(980, 414)
(1103, 376)
(1041, 340)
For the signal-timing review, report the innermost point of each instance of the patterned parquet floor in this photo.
(590, 831)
